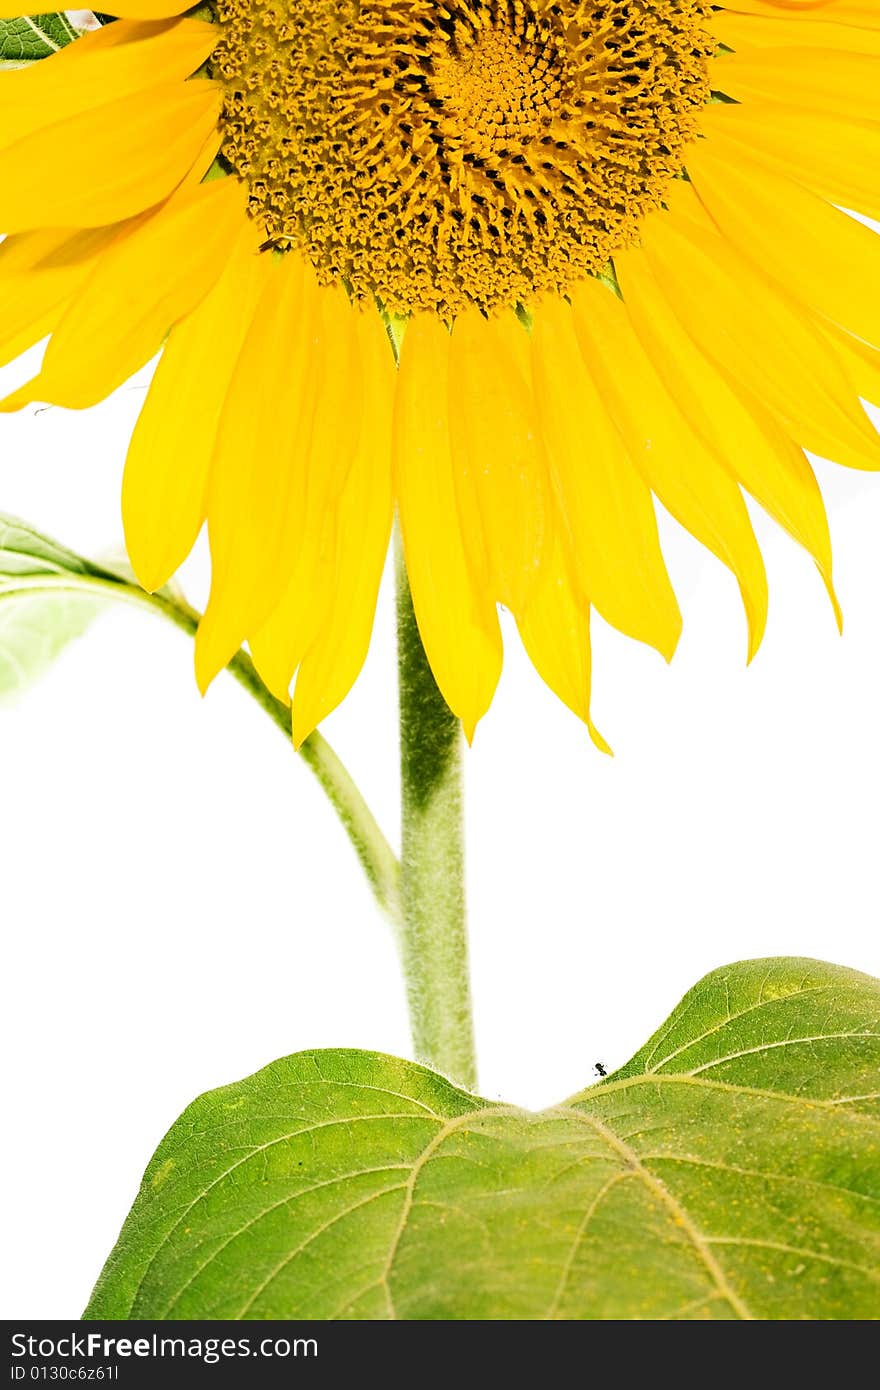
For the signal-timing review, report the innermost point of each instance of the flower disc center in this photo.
(440, 155)
(495, 90)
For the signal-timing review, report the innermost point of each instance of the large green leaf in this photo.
(731, 1170)
(27, 39)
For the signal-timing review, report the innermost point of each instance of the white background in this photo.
(181, 907)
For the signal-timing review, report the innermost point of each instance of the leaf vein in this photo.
(782, 1042)
(251, 1153)
(319, 1231)
(680, 1215)
(872, 1272)
(552, 1312)
(288, 1200)
(734, 1018)
(692, 1161)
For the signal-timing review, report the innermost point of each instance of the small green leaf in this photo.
(39, 36)
(45, 602)
(34, 630)
(49, 595)
(24, 550)
(730, 1171)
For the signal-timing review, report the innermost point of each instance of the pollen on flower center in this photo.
(436, 154)
(498, 91)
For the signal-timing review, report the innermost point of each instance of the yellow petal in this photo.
(601, 496)
(258, 493)
(136, 9)
(805, 145)
(861, 362)
(769, 146)
(840, 12)
(822, 257)
(39, 272)
(457, 619)
(751, 444)
(500, 481)
(104, 65)
(856, 12)
(279, 644)
(166, 472)
(156, 273)
(676, 464)
(816, 29)
(837, 82)
(129, 155)
(325, 455)
(363, 525)
(555, 629)
(22, 396)
(757, 338)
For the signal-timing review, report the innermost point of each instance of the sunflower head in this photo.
(610, 232)
(436, 157)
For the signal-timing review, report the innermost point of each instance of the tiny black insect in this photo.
(599, 1069)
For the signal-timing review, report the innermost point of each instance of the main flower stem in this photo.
(433, 936)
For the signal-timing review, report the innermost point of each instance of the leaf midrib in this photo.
(657, 1187)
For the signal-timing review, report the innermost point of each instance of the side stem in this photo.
(372, 849)
(434, 947)
(370, 845)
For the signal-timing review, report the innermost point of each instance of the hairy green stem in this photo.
(433, 938)
(372, 848)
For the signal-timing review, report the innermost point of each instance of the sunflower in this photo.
(606, 238)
